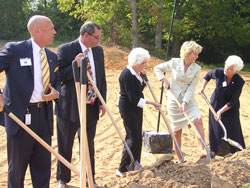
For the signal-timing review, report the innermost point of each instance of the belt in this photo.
(37, 104)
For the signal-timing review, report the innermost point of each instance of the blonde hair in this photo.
(137, 56)
(189, 47)
(236, 61)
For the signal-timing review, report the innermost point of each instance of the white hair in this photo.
(236, 61)
(137, 56)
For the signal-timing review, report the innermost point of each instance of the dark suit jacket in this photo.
(20, 81)
(67, 106)
(130, 91)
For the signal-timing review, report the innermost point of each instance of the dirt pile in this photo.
(230, 171)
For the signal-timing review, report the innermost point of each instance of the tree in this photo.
(158, 30)
(134, 23)
(13, 19)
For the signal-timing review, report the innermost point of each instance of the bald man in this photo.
(27, 96)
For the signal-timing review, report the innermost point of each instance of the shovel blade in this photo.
(235, 144)
(134, 166)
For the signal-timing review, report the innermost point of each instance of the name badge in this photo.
(224, 84)
(27, 119)
(25, 62)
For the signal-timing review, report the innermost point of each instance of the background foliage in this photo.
(222, 27)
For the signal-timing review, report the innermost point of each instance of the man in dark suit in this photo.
(24, 95)
(68, 122)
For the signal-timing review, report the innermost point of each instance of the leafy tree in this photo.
(13, 19)
(221, 26)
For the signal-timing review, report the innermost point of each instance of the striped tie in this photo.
(45, 71)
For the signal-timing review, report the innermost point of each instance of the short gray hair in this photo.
(137, 56)
(236, 61)
(89, 27)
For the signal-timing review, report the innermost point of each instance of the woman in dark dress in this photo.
(131, 103)
(225, 101)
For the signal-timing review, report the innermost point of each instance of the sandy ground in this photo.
(159, 170)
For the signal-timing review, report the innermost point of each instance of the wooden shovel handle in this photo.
(41, 141)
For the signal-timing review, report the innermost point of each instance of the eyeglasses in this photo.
(96, 37)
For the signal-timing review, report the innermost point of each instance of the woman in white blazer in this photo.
(185, 76)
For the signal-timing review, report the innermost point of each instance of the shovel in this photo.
(232, 142)
(192, 125)
(164, 118)
(41, 141)
(80, 103)
(134, 165)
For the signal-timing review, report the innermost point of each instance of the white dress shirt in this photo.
(38, 83)
(91, 59)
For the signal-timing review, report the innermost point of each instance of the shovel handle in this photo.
(233, 143)
(111, 117)
(164, 118)
(41, 141)
(192, 125)
(214, 113)
(76, 73)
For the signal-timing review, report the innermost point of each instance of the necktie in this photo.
(91, 95)
(45, 71)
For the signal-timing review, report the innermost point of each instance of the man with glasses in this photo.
(68, 121)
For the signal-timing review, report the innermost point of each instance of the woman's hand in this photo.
(166, 84)
(218, 115)
(183, 107)
(157, 105)
(201, 91)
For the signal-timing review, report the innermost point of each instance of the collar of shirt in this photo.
(91, 59)
(83, 47)
(36, 48)
(134, 73)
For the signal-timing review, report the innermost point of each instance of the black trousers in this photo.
(132, 121)
(66, 131)
(24, 150)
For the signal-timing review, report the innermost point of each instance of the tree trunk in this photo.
(176, 46)
(134, 23)
(158, 32)
(45, 3)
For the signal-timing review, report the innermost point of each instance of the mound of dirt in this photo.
(230, 171)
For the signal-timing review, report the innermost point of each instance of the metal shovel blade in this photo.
(134, 166)
(231, 142)
(235, 144)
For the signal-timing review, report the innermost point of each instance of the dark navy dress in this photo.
(225, 94)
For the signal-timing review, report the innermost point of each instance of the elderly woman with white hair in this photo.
(185, 74)
(131, 103)
(225, 101)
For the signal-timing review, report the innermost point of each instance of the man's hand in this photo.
(52, 95)
(78, 59)
(2, 103)
(102, 110)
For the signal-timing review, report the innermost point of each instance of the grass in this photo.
(246, 185)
